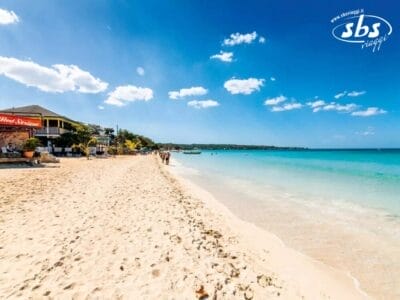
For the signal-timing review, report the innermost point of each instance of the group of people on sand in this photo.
(165, 156)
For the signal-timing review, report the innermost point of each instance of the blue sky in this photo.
(117, 62)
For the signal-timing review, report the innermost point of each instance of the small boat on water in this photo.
(192, 152)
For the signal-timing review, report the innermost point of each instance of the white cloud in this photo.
(262, 40)
(316, 105)
(193, 91)
(272, 78)
(115, 101)
(239, 38)
(286, 107)
(369, 131)
(339, 107)
(140, 71)
(356, 93)
(350, 94)
(370, 111)
(340, 95)
(122, 95)
(8, 17)
(59, 78)
(83, 81)
(203, 103)
(320, 105)
(275, 100)
(223, 56)
(101, 107)
(243, 86)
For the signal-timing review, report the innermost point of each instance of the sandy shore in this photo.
(127, 228)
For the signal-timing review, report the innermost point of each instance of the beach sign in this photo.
(12, 120)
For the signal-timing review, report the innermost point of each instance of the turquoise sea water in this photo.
(339, 207)
(365, 178)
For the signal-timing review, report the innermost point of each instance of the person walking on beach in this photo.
(167, 157)
(162, 155)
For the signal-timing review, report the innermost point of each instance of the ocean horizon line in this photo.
(205, 146)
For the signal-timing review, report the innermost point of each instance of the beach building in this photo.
(53, 124)
(15, 130)
(45, 125)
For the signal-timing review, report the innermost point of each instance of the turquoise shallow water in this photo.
(365, 178)
(339, 207)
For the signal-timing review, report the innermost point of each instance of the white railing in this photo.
(50, 131)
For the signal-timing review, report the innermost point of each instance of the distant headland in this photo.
(224, 147)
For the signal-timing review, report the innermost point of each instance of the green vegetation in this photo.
(126, 142)
(85, 147)
(31, 144)
(141, 141)
(85, 136)
(224, 147)
(82, 134)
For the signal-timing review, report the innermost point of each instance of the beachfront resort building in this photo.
(15, 130)
(53, 124)
(23, 122)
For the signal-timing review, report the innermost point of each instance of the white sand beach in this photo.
(126, 228)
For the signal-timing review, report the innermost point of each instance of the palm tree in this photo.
(85, 146)
(132, 145)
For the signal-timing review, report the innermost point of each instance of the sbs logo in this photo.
(368, 30)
